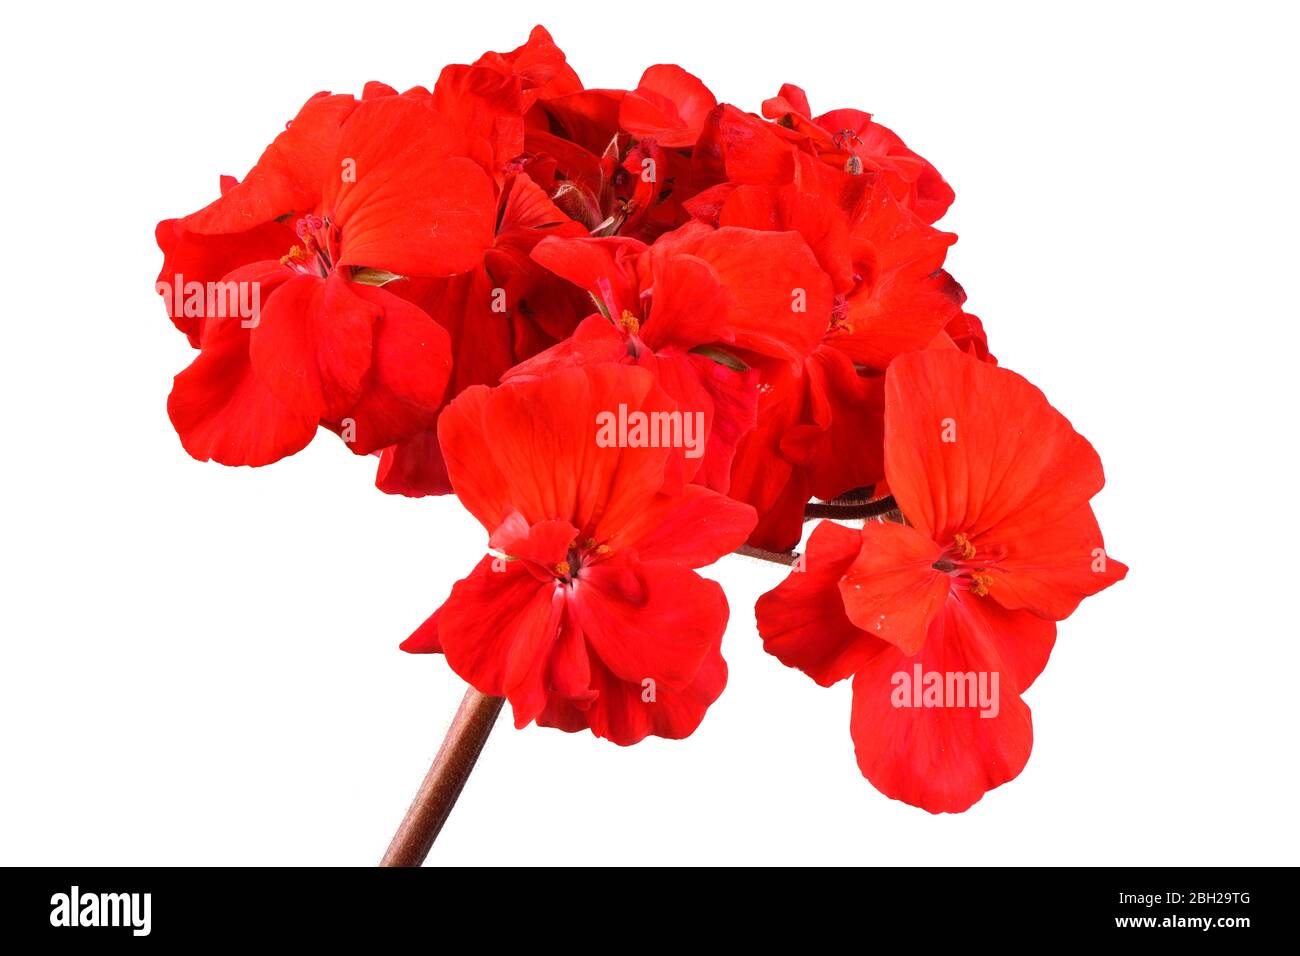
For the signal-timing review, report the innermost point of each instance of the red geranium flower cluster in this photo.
(632, 331)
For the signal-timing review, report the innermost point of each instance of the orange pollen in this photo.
(296, 254)
(563, 569)
(628, 323)
(603, 549)
(962, 543)
(979, 584)
(589, 543)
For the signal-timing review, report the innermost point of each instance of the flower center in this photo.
(317, 248)
(586, 553)
(968, 565)
(839, 320)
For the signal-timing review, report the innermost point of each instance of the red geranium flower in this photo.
(612, 180)
(253, 220)
(1000, 542)
(395, 192)
(591, 616)
(851, 140)
(819, 429)
(669, 106)
(505, 309)
(749, 293)
(491, 97)
(509, 285)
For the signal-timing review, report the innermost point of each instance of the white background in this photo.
(200, 664)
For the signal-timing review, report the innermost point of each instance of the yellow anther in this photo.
(963, 546)
(296, 254)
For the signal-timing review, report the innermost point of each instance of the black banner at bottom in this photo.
(664, 907)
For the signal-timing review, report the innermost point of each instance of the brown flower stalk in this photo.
(445, 780)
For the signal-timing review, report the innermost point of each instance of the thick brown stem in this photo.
(445, 780)
(776, 557)
(868, 509)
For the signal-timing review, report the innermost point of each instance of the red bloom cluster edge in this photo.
(631, 331)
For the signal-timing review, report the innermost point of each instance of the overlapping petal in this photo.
(969, 445)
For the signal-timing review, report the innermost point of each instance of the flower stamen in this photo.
(962, 545)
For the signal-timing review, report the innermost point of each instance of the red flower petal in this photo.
(562, 654)
(1050, 568)
(804, 209)
(416, 205)
(1023, 641)
(528, 216)
(413, 467)
(495, 624)
(490, 97)
(480, 337)
(588, 118)
(424, 639)
(668, 105)
(764, 478)
(791, 99)
(543, 458)
(407, 378)
(694, 528)
(818, 433)
(651, 620)
(780, 297)
(312, 345)
(570, 666)
(528, 667)
(594, 342)
(690, 307)
(969, 445)
(891, 589)
(288, 176)
(839, 440)
(544, 544)
(601, 266)
(904, 299)
(944, 758)
(741, 148)
(626, 713)
(802, 620)
(538, 63)
(223, 412)
(735, 413)
(191, 257)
